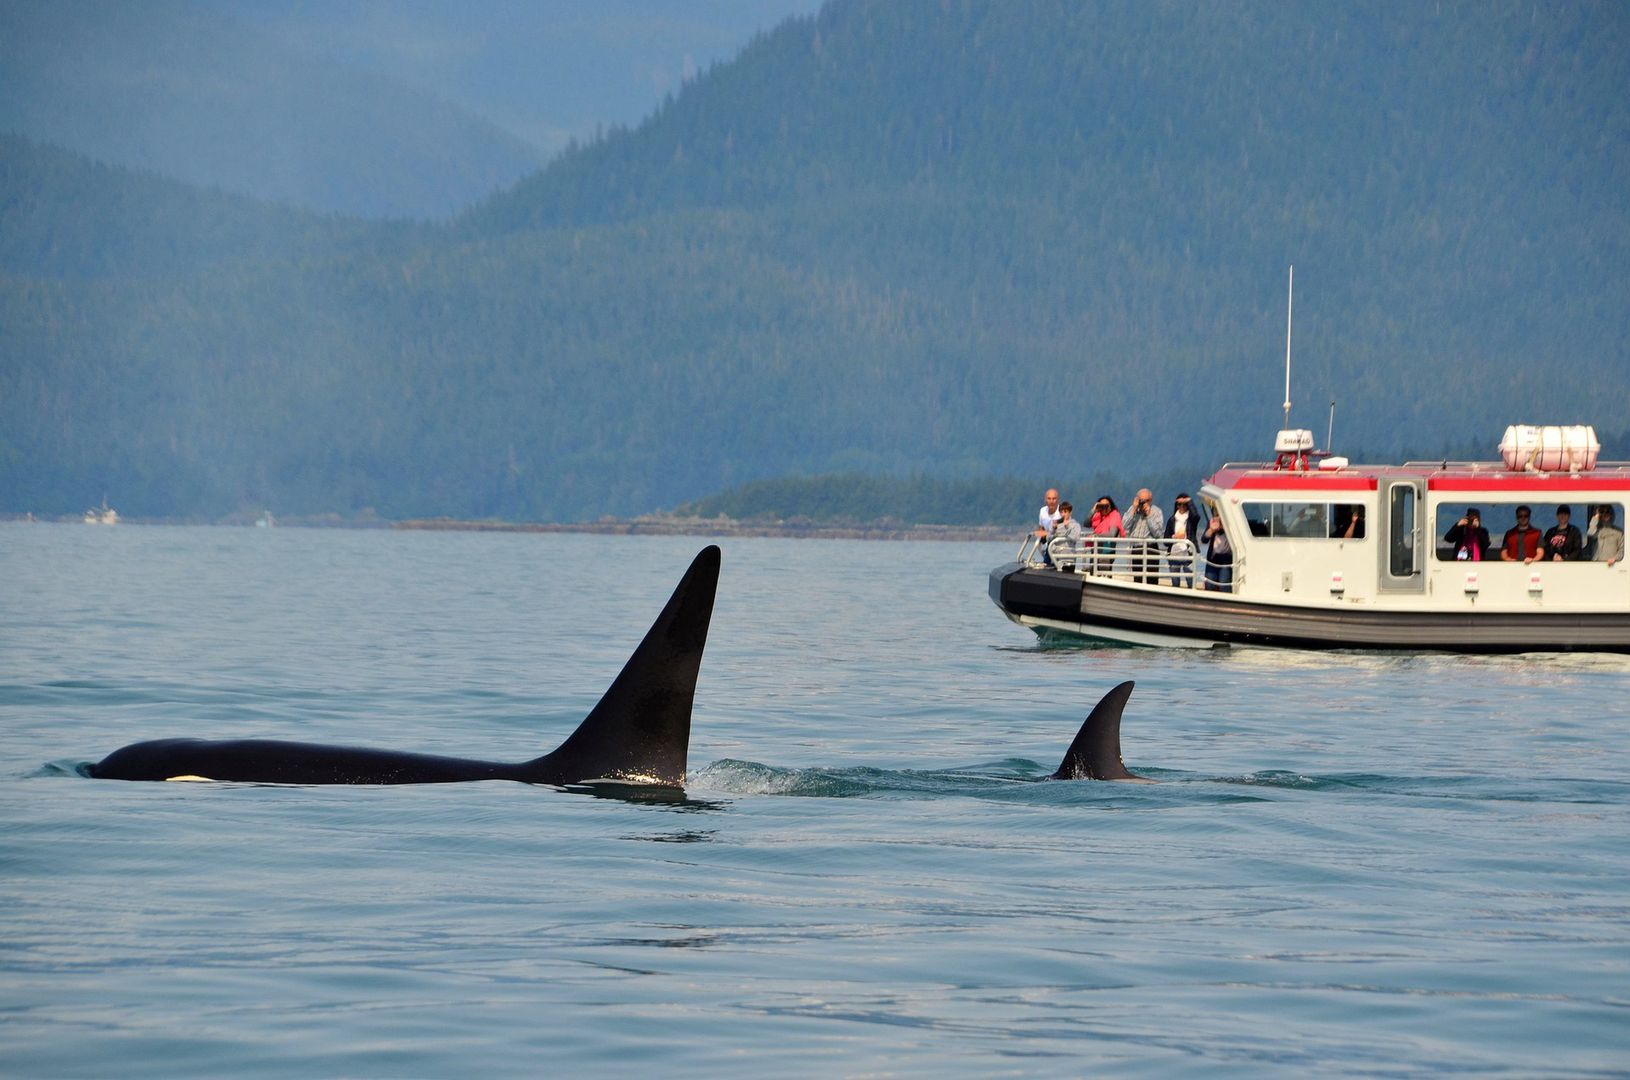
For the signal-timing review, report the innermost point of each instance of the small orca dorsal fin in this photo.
(1096, 752)
(640, 729)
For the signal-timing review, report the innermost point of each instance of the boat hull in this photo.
(1055, 603)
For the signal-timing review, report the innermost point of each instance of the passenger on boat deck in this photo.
(1067, 529)
(1520, 542)
(1468, 537)
(1049, 514)
(1219, 573)
(1562, 541)
(1144, 521)
(1046, 520)
(1609, 540)
(1182, 530)
(1105, 521)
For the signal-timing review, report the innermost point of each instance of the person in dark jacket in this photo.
(1219, 558)
(1183, 540)
(1468, 537)
(1562, 541)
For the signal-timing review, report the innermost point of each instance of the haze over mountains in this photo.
(949, 238)
(352, 106)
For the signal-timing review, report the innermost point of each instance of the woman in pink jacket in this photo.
(1106, 522)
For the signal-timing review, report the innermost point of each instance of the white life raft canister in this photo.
(1550, 448)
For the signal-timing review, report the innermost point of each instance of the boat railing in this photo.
(1153, 560)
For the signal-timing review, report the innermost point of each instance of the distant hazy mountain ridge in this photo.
(954, 240)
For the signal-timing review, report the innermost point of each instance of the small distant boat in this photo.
(102, 515)
(265, 521)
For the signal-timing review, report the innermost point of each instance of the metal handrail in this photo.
(1119, 557)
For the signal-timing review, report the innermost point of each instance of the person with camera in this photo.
(1468, 537)
(1219, 557)
(1068, 530)
(1106, 523)
(1182, 533)
(1145, 522)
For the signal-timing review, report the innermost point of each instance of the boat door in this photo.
(1403, 555)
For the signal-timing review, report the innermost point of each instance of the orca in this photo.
(639, 732)
(1096, 752)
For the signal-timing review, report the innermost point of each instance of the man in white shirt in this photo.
(1049, 514)
(1047, 522)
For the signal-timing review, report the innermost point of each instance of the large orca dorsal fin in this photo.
(1096, 752)
(640, 730)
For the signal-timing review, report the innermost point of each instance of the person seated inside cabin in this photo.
(1607, 540)
(1562, 541)
(1352, 528)
(1520, 542)
(1467, 538)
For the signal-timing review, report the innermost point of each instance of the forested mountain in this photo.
(933, 237)
(62, 216)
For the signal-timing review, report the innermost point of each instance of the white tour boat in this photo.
(1326, 554)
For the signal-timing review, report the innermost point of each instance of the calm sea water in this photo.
(1371, 865)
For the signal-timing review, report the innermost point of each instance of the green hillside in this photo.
(900, 239)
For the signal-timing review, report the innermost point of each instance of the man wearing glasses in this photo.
(1521, 541)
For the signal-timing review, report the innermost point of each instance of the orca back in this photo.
(639, 731)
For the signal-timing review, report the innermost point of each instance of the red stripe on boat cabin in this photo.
(1546, 484)
(1294, 481)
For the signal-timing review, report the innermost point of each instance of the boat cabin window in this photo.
(1500, 517)
(1306, 521)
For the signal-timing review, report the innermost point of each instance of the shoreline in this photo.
(651, 525)
(728, 528)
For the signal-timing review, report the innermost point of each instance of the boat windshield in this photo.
(1305, 520)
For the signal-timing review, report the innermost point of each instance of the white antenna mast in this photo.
(1290, 299)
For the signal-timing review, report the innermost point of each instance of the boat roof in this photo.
(1470, 476)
